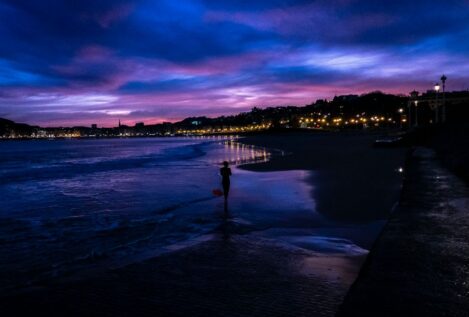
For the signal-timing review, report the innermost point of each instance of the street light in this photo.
(443, 82)
(437, 89)
(401, 110)
(416, 113)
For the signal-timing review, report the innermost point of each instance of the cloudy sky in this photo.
(65, 62)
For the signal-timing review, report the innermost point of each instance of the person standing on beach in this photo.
(225, 173)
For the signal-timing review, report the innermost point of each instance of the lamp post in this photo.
(443, 82)
(437, 89)
(401, 111)
(416, 113)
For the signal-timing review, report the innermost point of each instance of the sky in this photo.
(65, 63)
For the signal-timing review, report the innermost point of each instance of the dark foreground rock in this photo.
(420, 264)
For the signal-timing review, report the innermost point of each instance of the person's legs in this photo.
(226, 190)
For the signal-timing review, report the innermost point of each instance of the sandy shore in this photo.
(353, 182)
(238, 271)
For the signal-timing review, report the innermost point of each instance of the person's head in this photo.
(225, 163)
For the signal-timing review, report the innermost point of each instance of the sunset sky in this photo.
(81, 62)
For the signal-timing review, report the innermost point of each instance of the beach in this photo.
(357, 183)
(291, 245)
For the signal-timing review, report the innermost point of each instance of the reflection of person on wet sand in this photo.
(225, 173)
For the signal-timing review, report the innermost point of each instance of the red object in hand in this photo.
(217, 192)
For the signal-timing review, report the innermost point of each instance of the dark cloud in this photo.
(411, 21)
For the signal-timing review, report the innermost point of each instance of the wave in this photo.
(67, 168)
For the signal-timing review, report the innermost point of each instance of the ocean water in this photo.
(70, 206)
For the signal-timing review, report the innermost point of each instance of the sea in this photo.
(69, 207)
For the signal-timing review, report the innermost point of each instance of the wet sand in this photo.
(354, 182)
(238, 270)
(227, 276)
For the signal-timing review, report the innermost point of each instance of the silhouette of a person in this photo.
(225, 173)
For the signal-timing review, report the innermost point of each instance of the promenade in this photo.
(420, 264)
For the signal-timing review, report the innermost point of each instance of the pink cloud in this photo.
(93, 53)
